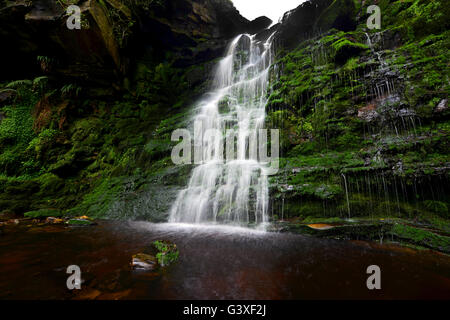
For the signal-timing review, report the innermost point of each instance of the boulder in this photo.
(368, 113)
(144, 262)
(6, 96)
(53, 220)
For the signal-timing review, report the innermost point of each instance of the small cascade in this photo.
(384, 86)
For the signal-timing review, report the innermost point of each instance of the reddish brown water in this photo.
(215, 263)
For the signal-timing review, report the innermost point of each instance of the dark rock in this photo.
(6, 96)
(368, 113)
(53, 220)
(258, 25)
(96, 55)
(314, 17)
(80, 222)
(265, 34)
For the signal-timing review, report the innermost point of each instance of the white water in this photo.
(231, 191)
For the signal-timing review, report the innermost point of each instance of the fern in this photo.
(19, 84)
(70, 89)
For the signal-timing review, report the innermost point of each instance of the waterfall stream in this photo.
(231, 191)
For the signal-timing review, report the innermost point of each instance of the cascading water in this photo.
(232, 191)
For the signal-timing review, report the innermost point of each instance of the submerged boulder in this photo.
(144, 262)
(81, 221)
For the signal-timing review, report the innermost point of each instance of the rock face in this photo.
(313, 17)
(442, 106)
(374, 101)
(258, 24)
(114, 34)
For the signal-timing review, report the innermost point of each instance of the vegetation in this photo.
(167, 253)
(361, 133)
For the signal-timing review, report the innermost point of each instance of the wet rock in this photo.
(53, 220)
(314, 16)
(406, 113)
(6, 96)
(442, 106)
(368, 113)
(320, 226)
(258, 24)
(14, 221)
(7, 215)
(98, 53)
(80, 222)
(398, 168)
(90, 294)
(144, 262)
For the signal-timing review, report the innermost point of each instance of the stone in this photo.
(320, 226)
(53, 220)
(144, 262)
(442, 106)
(80, 222)
(368, 113)
(258, 25)
(6, 96)
(14, 221)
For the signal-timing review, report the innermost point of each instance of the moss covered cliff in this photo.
(365, 117)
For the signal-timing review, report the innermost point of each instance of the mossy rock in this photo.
(421, 237)
(438, 207)
(167, 252)
(315, 220)
(43, 213)
(345, 49)
(80, 222)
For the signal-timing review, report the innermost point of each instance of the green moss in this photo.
(421, 237)
(79, 222)
(43, 213)
(167, 253)
(99, 201)
(438, 207)
(344, 49)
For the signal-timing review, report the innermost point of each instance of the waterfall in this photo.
(231, 191)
